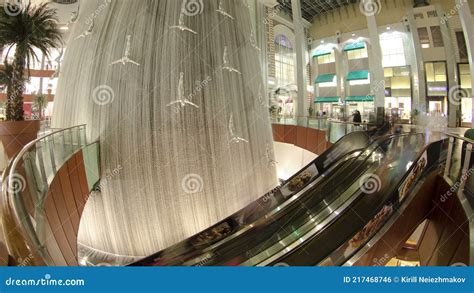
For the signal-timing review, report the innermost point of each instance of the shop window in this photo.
(466, 92)
(357, 54)
(436, 79)
(424, 37)
(329, 58)
(419, 16)
(393, 51)
(284, 61)
(462, 48)
(437, 36)
(435, 71)
(432, 14)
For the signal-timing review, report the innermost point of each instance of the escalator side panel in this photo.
(449, 224)
(392, 242)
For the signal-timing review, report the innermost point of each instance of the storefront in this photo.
(329, 107)
(465, 91)
(398, 93)
(437, 87)
(363, 104)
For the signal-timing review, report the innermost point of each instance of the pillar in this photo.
(468, 28)
(417, 67)
(300, 46)
(377, 76)
(451, 67)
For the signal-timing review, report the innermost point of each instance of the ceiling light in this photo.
(64, 28)
(353, 34)
(388, 28)
(322, 41)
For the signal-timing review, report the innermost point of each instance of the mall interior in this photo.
(236, 133)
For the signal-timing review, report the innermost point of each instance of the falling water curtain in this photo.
(173, 91)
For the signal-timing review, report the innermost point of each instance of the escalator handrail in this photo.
(289, 199)
(402, 207)
(459, 137)
(327, 219)
(278, 208)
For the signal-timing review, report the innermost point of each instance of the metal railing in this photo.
(25, 184)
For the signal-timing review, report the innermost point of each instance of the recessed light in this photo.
(388, 28)
(322, 41)
(64, 28)
(353, 35)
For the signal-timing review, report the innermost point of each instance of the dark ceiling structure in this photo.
(313, 8)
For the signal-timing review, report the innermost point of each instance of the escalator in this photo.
(336, 221)
(267, 221)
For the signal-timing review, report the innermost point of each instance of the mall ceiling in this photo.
(313, 8)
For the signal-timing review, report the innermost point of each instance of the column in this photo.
(451, 67)
(467, 25)
(377, 76)
(300, 46)
(417, 67)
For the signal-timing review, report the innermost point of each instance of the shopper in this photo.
(357, 118)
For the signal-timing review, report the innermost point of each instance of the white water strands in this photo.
(269, 156)
(179, 174)
(181, 25)
(253, 41)
(89, 30)
(126, 56)
(74, 14)
(58, 63)
(182, 101)
(226, 64)
(234, 138)
(222, 11)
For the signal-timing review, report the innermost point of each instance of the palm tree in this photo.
(35, 27)
(5, 75)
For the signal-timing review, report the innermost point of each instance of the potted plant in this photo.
(33, 28)
(39, 104)
(310, 111)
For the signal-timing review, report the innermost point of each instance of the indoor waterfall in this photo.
(173, 91)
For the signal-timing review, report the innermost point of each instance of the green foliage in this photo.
(35, 27)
